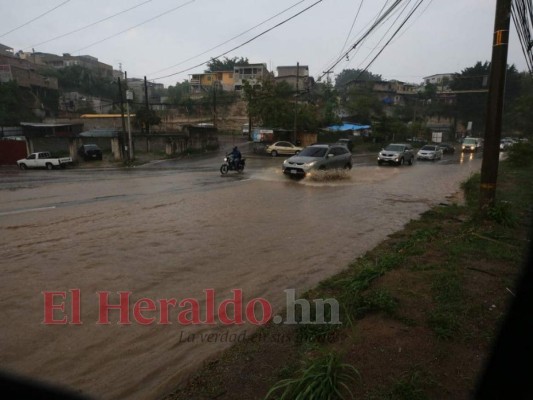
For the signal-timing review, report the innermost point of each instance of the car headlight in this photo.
(310, 164)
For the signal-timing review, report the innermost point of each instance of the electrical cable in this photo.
(386, 32)
(386, 44)
(351, 28)
(520, 12)
(229, 40)
(358, 42)
(88, 26)
(245, 43)
(331, 60)
(34, 19)
(136, 26)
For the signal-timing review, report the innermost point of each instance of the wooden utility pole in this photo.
(498, 67)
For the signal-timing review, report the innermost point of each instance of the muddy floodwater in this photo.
(178, 232)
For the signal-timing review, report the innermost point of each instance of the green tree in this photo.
(472, 106)
(76, 78)
(324, 100)
(226, 64)
(15, 104)
(271, 104)
(146, 117)
(179, 94)
(517, 115)
(349, 75)
(361, 103)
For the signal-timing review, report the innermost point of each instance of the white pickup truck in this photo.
(43, 160)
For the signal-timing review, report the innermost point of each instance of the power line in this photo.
(358, 42)
(34, 19)
(386, 32)
(394, 34)
(325, 67)
(88, 26)
(245, 43)
(522, 13)
(351, 28)
(229, 40)
(136, 26)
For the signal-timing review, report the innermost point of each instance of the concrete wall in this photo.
(193, 139)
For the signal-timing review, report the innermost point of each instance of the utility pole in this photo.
(491, 151)
(215, 103)
(296, 103)
(129, 97)
(124, 137)
(328, 80)
(147, 126)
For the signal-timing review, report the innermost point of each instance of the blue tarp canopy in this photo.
(347, 127)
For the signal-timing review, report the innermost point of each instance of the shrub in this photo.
(520, 155)
(324, 378)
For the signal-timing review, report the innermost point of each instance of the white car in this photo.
(505, 143)
(429, 152)
(471, 144)
(283, 148)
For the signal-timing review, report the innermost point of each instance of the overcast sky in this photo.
(171, 36)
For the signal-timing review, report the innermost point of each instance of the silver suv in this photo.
(396, 153)
(318, 157)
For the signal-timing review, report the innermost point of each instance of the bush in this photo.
(520, 155)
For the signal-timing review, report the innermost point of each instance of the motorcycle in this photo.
(229, 165)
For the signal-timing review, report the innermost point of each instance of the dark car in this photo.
(90, 152)
(447, 148)
(346, 142)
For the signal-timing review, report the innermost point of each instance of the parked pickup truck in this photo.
(43, 160)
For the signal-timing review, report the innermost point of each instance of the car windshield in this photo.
(470, 141)
(91, 146)
(394, 147)
(313, 152)
(428, 148)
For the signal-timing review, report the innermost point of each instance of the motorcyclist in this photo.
(236, 156)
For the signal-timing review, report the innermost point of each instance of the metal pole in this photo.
(491, 151)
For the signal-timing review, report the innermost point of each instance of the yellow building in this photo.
(201, 83)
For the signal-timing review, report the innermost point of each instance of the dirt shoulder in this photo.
(418, 312)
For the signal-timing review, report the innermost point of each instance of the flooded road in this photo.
(172, 230)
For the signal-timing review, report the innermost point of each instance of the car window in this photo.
(313, 152)
(395, 147)
(31, 157)
(283, 144)
(339, 150)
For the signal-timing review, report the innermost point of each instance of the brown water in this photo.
(172, 235)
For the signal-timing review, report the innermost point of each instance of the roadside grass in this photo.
(418, 312)
(325, 377)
